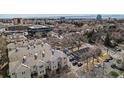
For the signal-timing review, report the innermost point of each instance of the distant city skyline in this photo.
(119, 16)
(39, 15)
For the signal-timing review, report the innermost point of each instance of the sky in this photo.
(61, 6)
(56, 15)
(30, 8)
(38, 15)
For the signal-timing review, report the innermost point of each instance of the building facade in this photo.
(40, 61)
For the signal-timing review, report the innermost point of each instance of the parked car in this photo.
(110, 58)
(107, 60)
(71, 58)
(79, 64)
(74, 63)
(113, 66)
(118, 49)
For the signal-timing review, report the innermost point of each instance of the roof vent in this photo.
(52, 51)
(16, 49)
(24, 59)
(42, 44)
(28, 47)
(35, 56)
(34, 46)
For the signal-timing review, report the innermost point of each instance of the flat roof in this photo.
(37, 26)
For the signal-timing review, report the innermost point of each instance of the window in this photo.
(13, 73)
(23, 72)
(41, 71)
(41, 66)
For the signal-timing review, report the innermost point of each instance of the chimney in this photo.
(16, 49)
(52, 51)
(28, 47)
(42, 44)
(34, 46)
(43, 54)
(35, 56)
(24, 59)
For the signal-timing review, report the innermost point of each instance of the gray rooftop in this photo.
(37, 26)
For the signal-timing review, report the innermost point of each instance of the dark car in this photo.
(113, 66)
(110, 58)
(118, 49)
(107, 60)
(72, 59)
(74, 63)
(79, 64)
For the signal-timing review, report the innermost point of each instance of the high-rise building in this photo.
(17, 21)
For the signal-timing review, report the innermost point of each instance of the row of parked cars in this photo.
(79, 64)
(109, 59)
(74, 63)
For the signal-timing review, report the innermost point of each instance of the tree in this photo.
(107, 40)
(114, 74)
(78, 43)
(3, 56)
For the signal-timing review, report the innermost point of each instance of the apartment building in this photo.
(36, 61)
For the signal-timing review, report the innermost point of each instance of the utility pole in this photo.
(93, 65)
(87, 67)
(107, 50)
(103, 69)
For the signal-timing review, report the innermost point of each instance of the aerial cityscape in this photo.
(61, 46)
